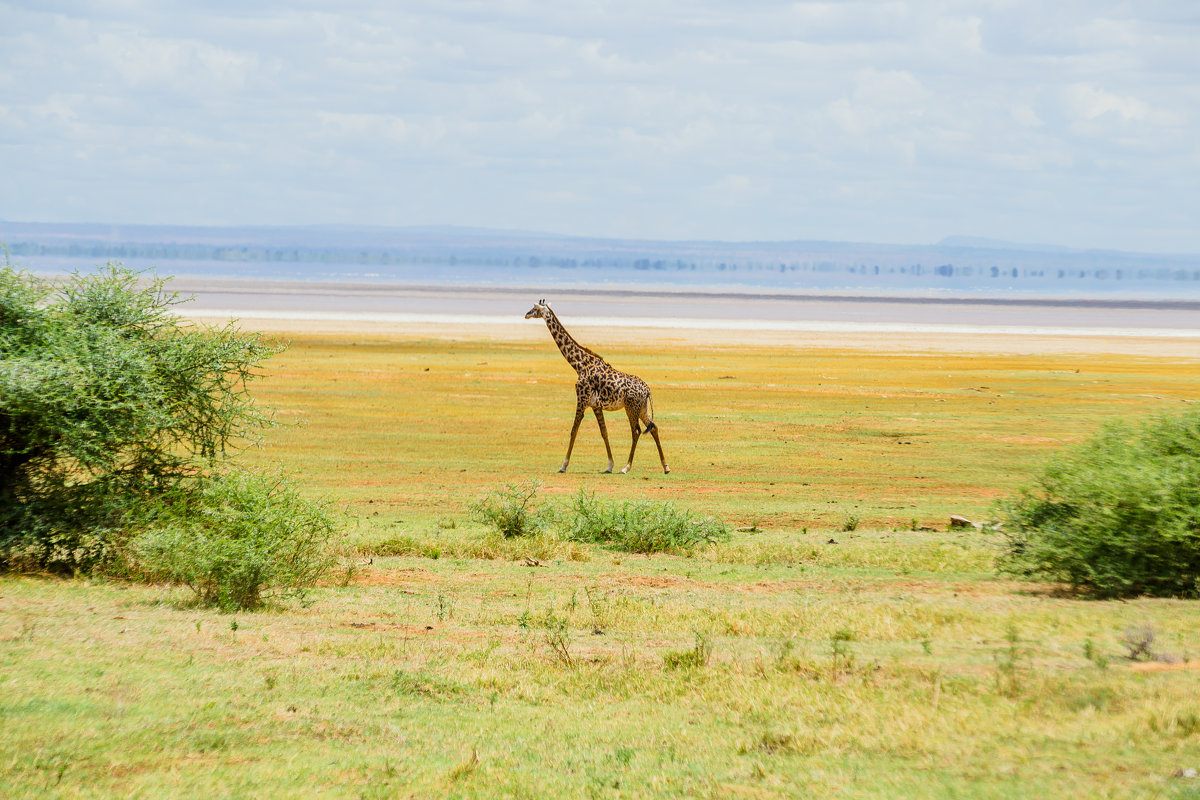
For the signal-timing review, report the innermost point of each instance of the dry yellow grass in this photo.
(788, 437)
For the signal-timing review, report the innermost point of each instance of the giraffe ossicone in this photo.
(601, 388)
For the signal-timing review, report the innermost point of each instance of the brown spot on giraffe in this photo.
(601, 388)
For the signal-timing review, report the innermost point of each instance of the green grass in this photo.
(819, 682)
(443, 660)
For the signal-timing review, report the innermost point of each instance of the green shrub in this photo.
(234, 538)
(1116, 517)
(73, 528)
(116, 419)
(511, 510)
(107, 400)
(638, 526)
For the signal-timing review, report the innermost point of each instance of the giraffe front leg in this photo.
(574, 431)
(604, 433)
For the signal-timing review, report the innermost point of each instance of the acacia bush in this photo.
(1118, 516)
(110, 405)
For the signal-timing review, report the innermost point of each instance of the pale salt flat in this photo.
(687, 323)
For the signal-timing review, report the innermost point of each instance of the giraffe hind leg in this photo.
(652, 429)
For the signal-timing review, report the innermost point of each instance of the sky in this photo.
(1073, 122)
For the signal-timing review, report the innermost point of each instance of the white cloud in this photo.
(1088, 102)
(734, 190)
(1026, 117)
(651, 116)
(142, 61)
(386, 127)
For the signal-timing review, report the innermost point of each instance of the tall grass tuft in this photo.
(511, 510)
(638, 526)
(694, 658)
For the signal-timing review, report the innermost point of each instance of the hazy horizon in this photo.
(955, 240)
(482, 257)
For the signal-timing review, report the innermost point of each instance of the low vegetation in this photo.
(511, 510)
(1118, 516)
(638, 526)
(634, 526)
(233, 535)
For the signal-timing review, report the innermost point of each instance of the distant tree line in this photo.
(100, 251)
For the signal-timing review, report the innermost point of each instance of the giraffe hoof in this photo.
(666, 469)
(563, 468)
(625, 470)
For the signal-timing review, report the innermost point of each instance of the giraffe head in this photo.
(540, 310)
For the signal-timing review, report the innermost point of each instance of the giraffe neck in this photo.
(576, 354)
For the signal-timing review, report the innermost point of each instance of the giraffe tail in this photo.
(650, 406)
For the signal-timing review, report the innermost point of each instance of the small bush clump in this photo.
(512, 510)
(235, 537)
(1116, 517)
(638, 526)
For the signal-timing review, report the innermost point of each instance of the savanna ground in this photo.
(800, 659)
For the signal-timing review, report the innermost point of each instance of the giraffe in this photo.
(601, 388)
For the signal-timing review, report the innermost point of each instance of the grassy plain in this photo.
(798, 660)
